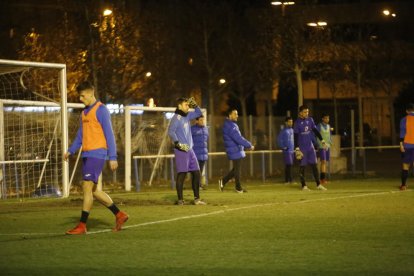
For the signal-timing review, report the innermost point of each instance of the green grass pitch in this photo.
(357, 227)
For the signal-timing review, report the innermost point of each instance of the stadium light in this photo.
(148, 74)
(222, 81)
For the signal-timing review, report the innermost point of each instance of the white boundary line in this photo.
(212, 213)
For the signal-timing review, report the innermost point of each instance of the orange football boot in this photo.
(121, 218)
(79, 229)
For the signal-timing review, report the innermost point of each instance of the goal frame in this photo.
(9, 66)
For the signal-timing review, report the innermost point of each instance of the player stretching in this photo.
(407, 144)
(185, 158)
(304, 149)
(96, 137)
(324, 151)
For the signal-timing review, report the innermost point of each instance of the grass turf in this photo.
(356, 227)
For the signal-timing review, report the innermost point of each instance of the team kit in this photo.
(300, 141)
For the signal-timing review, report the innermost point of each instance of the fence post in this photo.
(353, 142)
(263, 168)
(137, 182)
(270, 144)
(172, 173)
(251, 141)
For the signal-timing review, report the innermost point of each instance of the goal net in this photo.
(33, 130)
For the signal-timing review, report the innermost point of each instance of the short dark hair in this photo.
(303, 107)
(325, 115)
(181, 100)
(288, 118)
(230, 110)
(201, 116)
(84, 86)
(410, 107)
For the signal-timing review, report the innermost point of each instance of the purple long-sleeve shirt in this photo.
(180, 127)
(303, 128)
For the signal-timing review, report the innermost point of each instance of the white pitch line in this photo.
(210, 213)
(236, 209)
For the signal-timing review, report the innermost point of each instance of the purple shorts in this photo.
(408, 156)
(186, 161)
(309, 157)
(288, 157)
(92, 168)
(324, 154)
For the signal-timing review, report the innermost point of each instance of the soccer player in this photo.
(96, 137)
(185, 159)
(303, 128)
(234, 143)
(199, 132)
(324, 150)
(407, 144)
(285, 141)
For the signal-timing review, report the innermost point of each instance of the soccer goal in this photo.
(33, 129)
(148, 148)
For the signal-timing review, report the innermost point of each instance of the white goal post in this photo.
(33, 127)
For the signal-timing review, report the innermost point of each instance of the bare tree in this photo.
(60, 45)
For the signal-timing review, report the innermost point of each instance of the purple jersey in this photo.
(304, 129)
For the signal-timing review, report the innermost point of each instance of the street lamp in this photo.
(282, 4)
(277, 3)
(107, 12)
(389, 13)
(320, 24)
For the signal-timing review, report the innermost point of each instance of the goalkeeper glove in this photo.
(192, 103)
(298, 154)
(324, 145)
(182, 147)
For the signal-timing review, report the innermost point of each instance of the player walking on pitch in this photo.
(96, 137)
(234, 143)
(407, 144)
(304, 149)
(185, 158)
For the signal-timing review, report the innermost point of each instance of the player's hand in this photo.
(113, 164)
(251, 148)
(402, 149)
(66, 156)
(192, 103)
(298, 154)
(182, 147)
